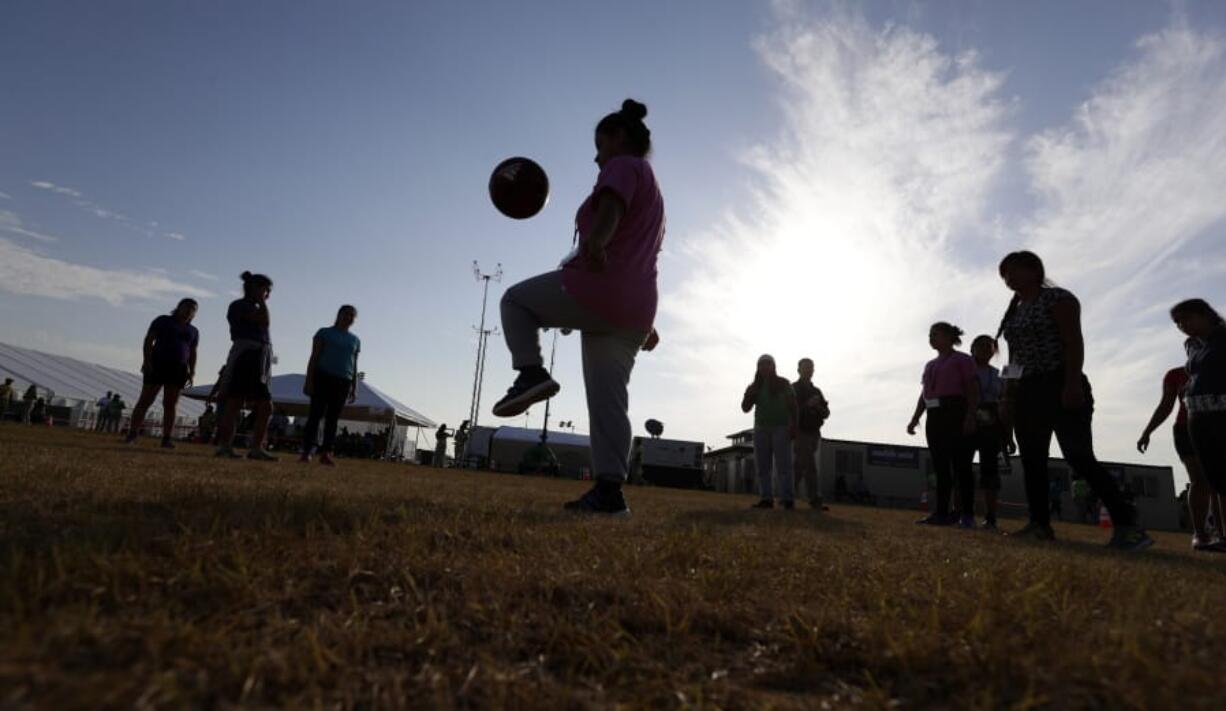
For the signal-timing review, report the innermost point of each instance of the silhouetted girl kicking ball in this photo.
(1046, 392)
(606, 289)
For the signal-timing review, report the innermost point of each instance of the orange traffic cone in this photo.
(1104, 518)
(924, 501)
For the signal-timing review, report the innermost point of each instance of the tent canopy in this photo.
(371, 404)
(72, 379)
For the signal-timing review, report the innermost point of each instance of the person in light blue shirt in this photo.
(331, 380)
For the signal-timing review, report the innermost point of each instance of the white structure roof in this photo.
(371, 405)
(73, 380)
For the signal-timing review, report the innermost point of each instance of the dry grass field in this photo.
(135, 577)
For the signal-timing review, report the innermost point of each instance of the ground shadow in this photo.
(795, 519)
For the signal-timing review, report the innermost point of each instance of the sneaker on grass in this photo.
(966, 522)
(934, 520)
(224, 452)
(326, 460)
(1035, 532)
(989, 524)
(1130, 538)
(260, 455)
(167, 444)
(603, 498)
(788, 504)
(532, 386)
(764, 504)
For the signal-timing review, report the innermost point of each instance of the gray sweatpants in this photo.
(608, 359)
(772, 454)
(805, 448)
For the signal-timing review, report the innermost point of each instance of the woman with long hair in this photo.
(168, 365)
(1047, 393)
(950, 397)
(1205, 393)
(1202, 499)
(773, 402)
(606, 290)
(331, 381)
(248, 369)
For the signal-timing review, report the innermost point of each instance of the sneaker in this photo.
(934, 520)
(788, 504)
(260, 455)
(305, 458)
(989, 524)
(1218, 545)
(326, 460)
(1201, 543)
(764, 504)
(1130, 538)
(817, 505)
(167, 444)
(966, 522)
(227, 453)
(532, 386)
(1035, 532)
(600, 499)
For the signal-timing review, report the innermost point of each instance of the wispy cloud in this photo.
(5, 196)
(11, 223)
(23, 271)
(52, 187)
(874, 214)
(176, 236)
(202, 275)
(851, 245)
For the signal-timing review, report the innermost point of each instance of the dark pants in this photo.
(327, 401)
(952, 451)
(1208, 430)
(1040, 413)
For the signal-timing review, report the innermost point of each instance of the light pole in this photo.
(553, 351)
(482, 336)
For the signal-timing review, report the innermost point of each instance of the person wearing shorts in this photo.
(169, 365)
(248, 368)
(1202, 500)
(989, 436)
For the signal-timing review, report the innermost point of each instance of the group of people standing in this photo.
(169, 365)
(33, 408)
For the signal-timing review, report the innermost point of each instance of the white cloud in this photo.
(177, 236)
(851, 245)
(11, 223)
(52, 187)
(202, 275)
(23, 271)
(5, 196)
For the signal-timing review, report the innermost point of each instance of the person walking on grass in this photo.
(169, 365)
(27, 403)
(606, 289)
(248, 368)
(774, 427)
(331, 381)
(7, 394)
(1205, 393)
(1202, 499)
(950, 397)
(114, 413)
(1047, 393)
(812, 411)
(101, 424)
(989, 437)
(440, 445)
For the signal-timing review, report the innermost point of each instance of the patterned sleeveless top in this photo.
(1032, 334)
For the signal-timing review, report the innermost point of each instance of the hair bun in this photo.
(245, 276)
(634, 110)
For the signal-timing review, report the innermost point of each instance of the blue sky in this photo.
(837, 175)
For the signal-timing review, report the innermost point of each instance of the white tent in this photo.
(72, 382)
(371, 404)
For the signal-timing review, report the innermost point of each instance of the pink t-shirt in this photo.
(624, 294)
(948, 375)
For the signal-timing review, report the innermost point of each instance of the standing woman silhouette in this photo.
(1047, 393)
(248, 368)
(1205, 393)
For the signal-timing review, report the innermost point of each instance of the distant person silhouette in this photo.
(989, 437)
(440, 445)
(331, 381)
(1205, 393)
(207, 424)
(168, 364)
(606, 288)
(1201, 497)
(114, 413)
(248, 368)
(812, 411)
(1046, 392)
(27, 403)
(773, 402)
(100, 424)
(7, 394)
(950, 397)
